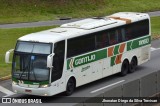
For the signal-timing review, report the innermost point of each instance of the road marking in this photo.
(6, 91)
(9, 95)
(154, 49)
(107, 86)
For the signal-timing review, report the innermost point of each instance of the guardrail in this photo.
(147, 86)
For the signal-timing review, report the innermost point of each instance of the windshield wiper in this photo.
(33, 71)
(23, 72)
(23, 69)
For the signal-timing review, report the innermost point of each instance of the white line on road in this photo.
(107, 86)
(6, 91)
(9, 95)
(154, 49)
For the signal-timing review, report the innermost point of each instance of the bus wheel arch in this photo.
(133, 64)
(70, 86)
(124, 67)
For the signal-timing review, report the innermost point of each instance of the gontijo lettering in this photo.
(85, 59)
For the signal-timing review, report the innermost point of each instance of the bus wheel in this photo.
(133, 65)
(124, 68)
(70, 87)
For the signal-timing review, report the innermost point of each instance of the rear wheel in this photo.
(70, 87)
(124, 68)
(133, 65)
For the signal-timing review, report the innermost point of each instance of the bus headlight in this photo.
(44, 86)
(14, 83)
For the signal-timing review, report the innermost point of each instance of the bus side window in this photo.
(101, 40)
(128, 33)
(113, 38)
(120, 37)
(123, 34)
(105, 40)
(80, 45)
(58, 60)
(87, 43)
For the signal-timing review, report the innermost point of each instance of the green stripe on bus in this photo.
(129, 45)
(68, 63)
(94, 56)
(85, 59)
(141, 42)
(14, 79)
(138, 43)
(113, 60)
(116, 49)
(30, 82)
(36, 83)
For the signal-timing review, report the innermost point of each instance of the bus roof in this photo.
(85, 26)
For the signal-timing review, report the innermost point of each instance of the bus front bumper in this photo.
(32, 91)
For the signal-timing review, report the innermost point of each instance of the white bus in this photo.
(60, 59)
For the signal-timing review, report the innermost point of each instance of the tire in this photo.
(70, 87)
(124, 68)
(133, 65)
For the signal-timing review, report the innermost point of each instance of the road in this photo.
(97, 87)
(54, 22)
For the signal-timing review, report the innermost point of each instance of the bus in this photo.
(60, 59)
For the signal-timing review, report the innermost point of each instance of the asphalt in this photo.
(54, 22)
(38, 24)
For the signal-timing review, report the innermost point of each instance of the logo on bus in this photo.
(84, 60)
(144, 41)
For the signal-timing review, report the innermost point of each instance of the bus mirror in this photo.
(49, 60)
(7, 56)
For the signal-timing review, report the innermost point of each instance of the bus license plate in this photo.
(30, 91)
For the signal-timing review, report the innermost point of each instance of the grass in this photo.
(8, 39)
(13, 11)
(155, 25)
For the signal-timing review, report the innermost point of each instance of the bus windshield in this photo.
(30, 61)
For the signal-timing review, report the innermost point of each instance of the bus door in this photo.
(58, 63)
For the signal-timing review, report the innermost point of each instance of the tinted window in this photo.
(113, 37)
(119, 35)
(134, 30)
(30, 47)
(80, 45)
(58, 60)
(101, 40)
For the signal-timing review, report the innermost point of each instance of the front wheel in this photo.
(70, 87)
(124, 68)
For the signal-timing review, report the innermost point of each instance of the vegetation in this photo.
(13, 11)
(155, 23)
(8, 39)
